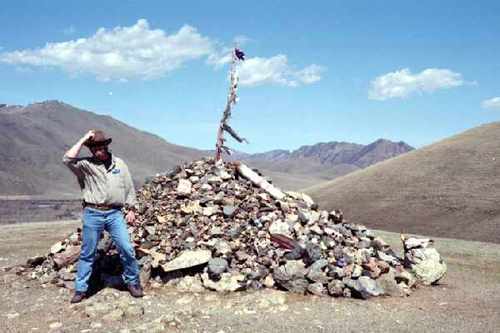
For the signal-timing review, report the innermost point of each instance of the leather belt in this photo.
(100, 206)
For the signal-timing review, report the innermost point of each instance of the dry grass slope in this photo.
(448, 189)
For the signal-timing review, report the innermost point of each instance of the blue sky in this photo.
(317, 71)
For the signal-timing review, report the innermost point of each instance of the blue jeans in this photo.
(94, 222)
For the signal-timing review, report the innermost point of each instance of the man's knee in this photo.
(90, 238)
(128, 250)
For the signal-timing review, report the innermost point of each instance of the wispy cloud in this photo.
(139, 52)
(122, 53)
(276, 70)
(492, 103)
(403, 83)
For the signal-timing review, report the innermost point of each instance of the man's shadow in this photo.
(107, 268)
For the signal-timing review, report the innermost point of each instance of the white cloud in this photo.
(139, 52)
(403, 83)
(276, 70)
(122, 53)
(492, 103)
(221, 56)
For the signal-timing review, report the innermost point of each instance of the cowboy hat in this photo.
(99, 139)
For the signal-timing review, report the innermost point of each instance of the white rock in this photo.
(56, 248)
(227, 282)
(280, 227)
(184, 187)
(210, 210)
(188, 259)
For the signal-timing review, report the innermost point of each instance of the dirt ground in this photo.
(467, 300)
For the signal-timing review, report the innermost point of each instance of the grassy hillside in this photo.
(448, 189)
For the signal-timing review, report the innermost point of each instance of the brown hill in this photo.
(35, 137)
(447, 189)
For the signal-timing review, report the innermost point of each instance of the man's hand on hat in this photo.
(89, 135)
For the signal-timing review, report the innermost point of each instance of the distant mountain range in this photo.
(34, 137)
(326, 160)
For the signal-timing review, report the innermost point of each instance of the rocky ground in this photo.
(466, 300)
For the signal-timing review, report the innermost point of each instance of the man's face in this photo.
(100, 152)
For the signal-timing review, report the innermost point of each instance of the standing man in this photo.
(106, 187)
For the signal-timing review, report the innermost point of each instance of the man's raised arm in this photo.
(70, 156)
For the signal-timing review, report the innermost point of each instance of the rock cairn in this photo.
(221, 226)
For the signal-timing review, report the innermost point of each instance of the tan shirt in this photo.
(112, 186)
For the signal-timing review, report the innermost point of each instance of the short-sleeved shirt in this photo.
(101, 185)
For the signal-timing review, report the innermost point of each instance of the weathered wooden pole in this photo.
(232, 98)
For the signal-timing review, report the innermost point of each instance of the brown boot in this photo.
(135, 290)
(78, 297)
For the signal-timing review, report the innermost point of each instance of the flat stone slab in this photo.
(188, 259)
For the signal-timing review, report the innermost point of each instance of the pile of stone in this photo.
(223, 227)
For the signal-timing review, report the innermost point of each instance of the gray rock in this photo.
(336, 288)
(194, 179)
(212, 180)
(241, 256)
(316, 273)
(304, 215)
(206, 187)
(191, 284)
(217, 266)
(229, 210)
(388, 258)
(389, 284)
(295, 268)
(316, 288)
(151, 230)
(223, 174)
(295, 286)
(429, 268)
(222, 247)
(379, 244)
(403, 276)
(258, 273)
(364, 287)
(335, 272)
(291, 276)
